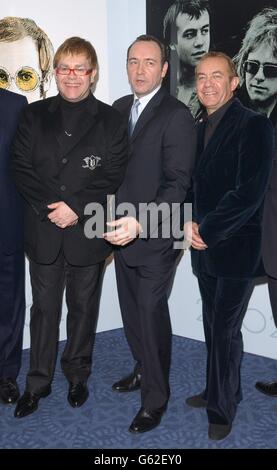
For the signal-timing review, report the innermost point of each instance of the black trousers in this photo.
(224, 303)
(12, 312)
(272, 289)
(82, 286)
(143, 295)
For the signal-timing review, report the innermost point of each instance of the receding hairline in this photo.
(148, 38)
(218, 55)
(144, 42)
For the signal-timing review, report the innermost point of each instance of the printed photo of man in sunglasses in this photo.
(26, 58)
(257, 64)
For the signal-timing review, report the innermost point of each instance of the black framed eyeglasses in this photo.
(79, 72)
(253, 66)
(26, 78)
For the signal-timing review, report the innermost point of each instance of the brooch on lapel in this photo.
(91, 162)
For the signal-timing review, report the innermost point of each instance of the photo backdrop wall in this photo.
(111, 25)
(106, 23)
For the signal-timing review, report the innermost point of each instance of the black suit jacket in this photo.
(230, 182)
(161, 158)
(11, 204)
(90, 169)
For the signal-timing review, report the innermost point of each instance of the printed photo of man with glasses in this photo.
(26, 58)
(257, 64)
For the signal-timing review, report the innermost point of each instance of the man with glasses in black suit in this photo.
(69, 150)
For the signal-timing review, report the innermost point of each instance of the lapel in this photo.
(87, 122)
(200, 137)
(224, 129)
(148, 113)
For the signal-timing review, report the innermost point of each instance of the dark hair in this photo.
(150, 38)
(193, 8)
(222, 55)
(76, 45)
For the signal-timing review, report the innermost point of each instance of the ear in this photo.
(93, 75)
(55, 75)
(164, 69)
(234, 83)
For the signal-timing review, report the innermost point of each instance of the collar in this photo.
(214, 118)
(144, 100)
(91, 103)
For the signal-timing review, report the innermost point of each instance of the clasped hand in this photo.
(61, 215)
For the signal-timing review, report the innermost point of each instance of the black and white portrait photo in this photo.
(246, 30)
(257, 64)
(186, 31)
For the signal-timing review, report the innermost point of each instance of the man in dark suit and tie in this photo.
(69, 151)
(12, 288)
(161, 158)
(234, 159)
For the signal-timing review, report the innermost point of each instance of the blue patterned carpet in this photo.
(103, 421)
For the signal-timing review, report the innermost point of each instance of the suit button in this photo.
(63, 187)
(64, 160)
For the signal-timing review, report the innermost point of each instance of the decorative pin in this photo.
(67, 133)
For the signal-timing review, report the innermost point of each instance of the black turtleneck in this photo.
(72, 116)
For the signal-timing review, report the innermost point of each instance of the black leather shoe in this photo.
(146, 420)
(217, 432)
(28, 403)
(197, 401)
(268, 388)
(77, 394)
(128, 384)
(9, 392)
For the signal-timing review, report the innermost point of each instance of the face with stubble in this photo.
(145, 68)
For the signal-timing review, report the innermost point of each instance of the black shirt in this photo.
(212, 121)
